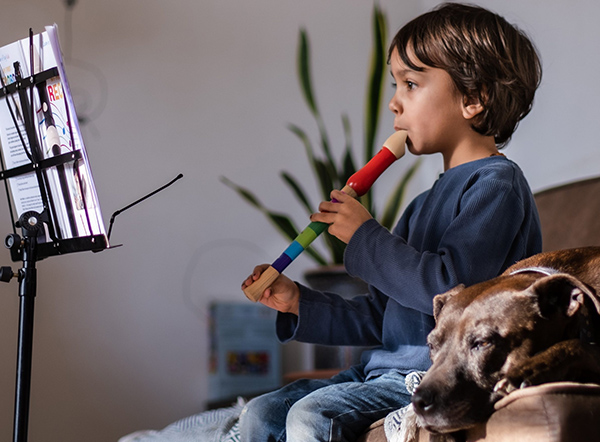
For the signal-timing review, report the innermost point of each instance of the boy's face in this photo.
(429, 107)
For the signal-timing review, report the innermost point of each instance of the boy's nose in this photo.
(394, 105)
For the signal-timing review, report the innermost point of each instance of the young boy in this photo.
(464, 79)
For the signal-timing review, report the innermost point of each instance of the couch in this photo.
(562, 411)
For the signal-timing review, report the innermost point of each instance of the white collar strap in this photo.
(544, 270)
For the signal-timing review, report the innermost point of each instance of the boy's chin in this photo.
(411, 147)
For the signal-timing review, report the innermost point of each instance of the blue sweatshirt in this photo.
(477, 219)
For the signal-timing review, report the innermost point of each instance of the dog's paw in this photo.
(516, 379)
(505, 386)
(539, 369)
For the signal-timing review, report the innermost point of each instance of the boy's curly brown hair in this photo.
(487, 58)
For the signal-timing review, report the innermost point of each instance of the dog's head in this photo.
(480, 332)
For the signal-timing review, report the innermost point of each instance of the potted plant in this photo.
(328, 173)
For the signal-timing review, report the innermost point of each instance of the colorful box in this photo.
(245, 355)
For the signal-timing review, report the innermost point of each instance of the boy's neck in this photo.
(472, 149)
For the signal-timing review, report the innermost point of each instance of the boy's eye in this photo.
(410, 85)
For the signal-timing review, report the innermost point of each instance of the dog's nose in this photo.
(423, 400)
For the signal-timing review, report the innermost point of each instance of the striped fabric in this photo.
(219, 425)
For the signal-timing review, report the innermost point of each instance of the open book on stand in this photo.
(44, 161)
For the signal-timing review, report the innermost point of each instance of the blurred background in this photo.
(207, 89)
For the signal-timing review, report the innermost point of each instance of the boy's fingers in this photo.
(326, 217)
(265, 296)
(338, 195)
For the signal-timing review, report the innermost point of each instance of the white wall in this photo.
(206, 89)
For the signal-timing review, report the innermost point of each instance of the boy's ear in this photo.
(471, 106)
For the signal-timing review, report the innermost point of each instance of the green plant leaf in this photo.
(244, 193)
(348, 166)
(304, 72)
(298, 191)
(300, 133)
(394, 201)
(305, 78)
(281, 222)
(325, 180)
(374, 95)
(377, 71)
(320, 169)
(336, 247)
(316, 256)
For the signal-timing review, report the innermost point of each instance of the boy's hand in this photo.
(283, 295)
(344, 216)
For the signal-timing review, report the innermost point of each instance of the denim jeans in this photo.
(336, 409)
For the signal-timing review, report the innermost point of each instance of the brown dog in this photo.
(538, 322)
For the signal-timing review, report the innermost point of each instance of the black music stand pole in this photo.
(30, 223)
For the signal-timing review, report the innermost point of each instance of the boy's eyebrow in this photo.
(407, 71)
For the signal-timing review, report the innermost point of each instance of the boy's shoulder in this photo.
(496, 173)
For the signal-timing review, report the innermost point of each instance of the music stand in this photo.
(47, 179)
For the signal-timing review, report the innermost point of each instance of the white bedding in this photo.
(210, 426)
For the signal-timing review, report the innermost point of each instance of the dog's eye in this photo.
(432, 350)
(481, 344)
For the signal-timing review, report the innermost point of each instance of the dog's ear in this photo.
(560, 293)
(441, 299)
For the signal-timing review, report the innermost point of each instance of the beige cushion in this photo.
(561, 411)
(554, 412)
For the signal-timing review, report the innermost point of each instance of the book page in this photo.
(25, 190)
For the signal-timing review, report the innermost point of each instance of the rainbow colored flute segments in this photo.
(300, 243)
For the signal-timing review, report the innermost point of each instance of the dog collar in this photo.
(544, 270)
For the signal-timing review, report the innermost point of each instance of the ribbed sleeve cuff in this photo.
(290, 327)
